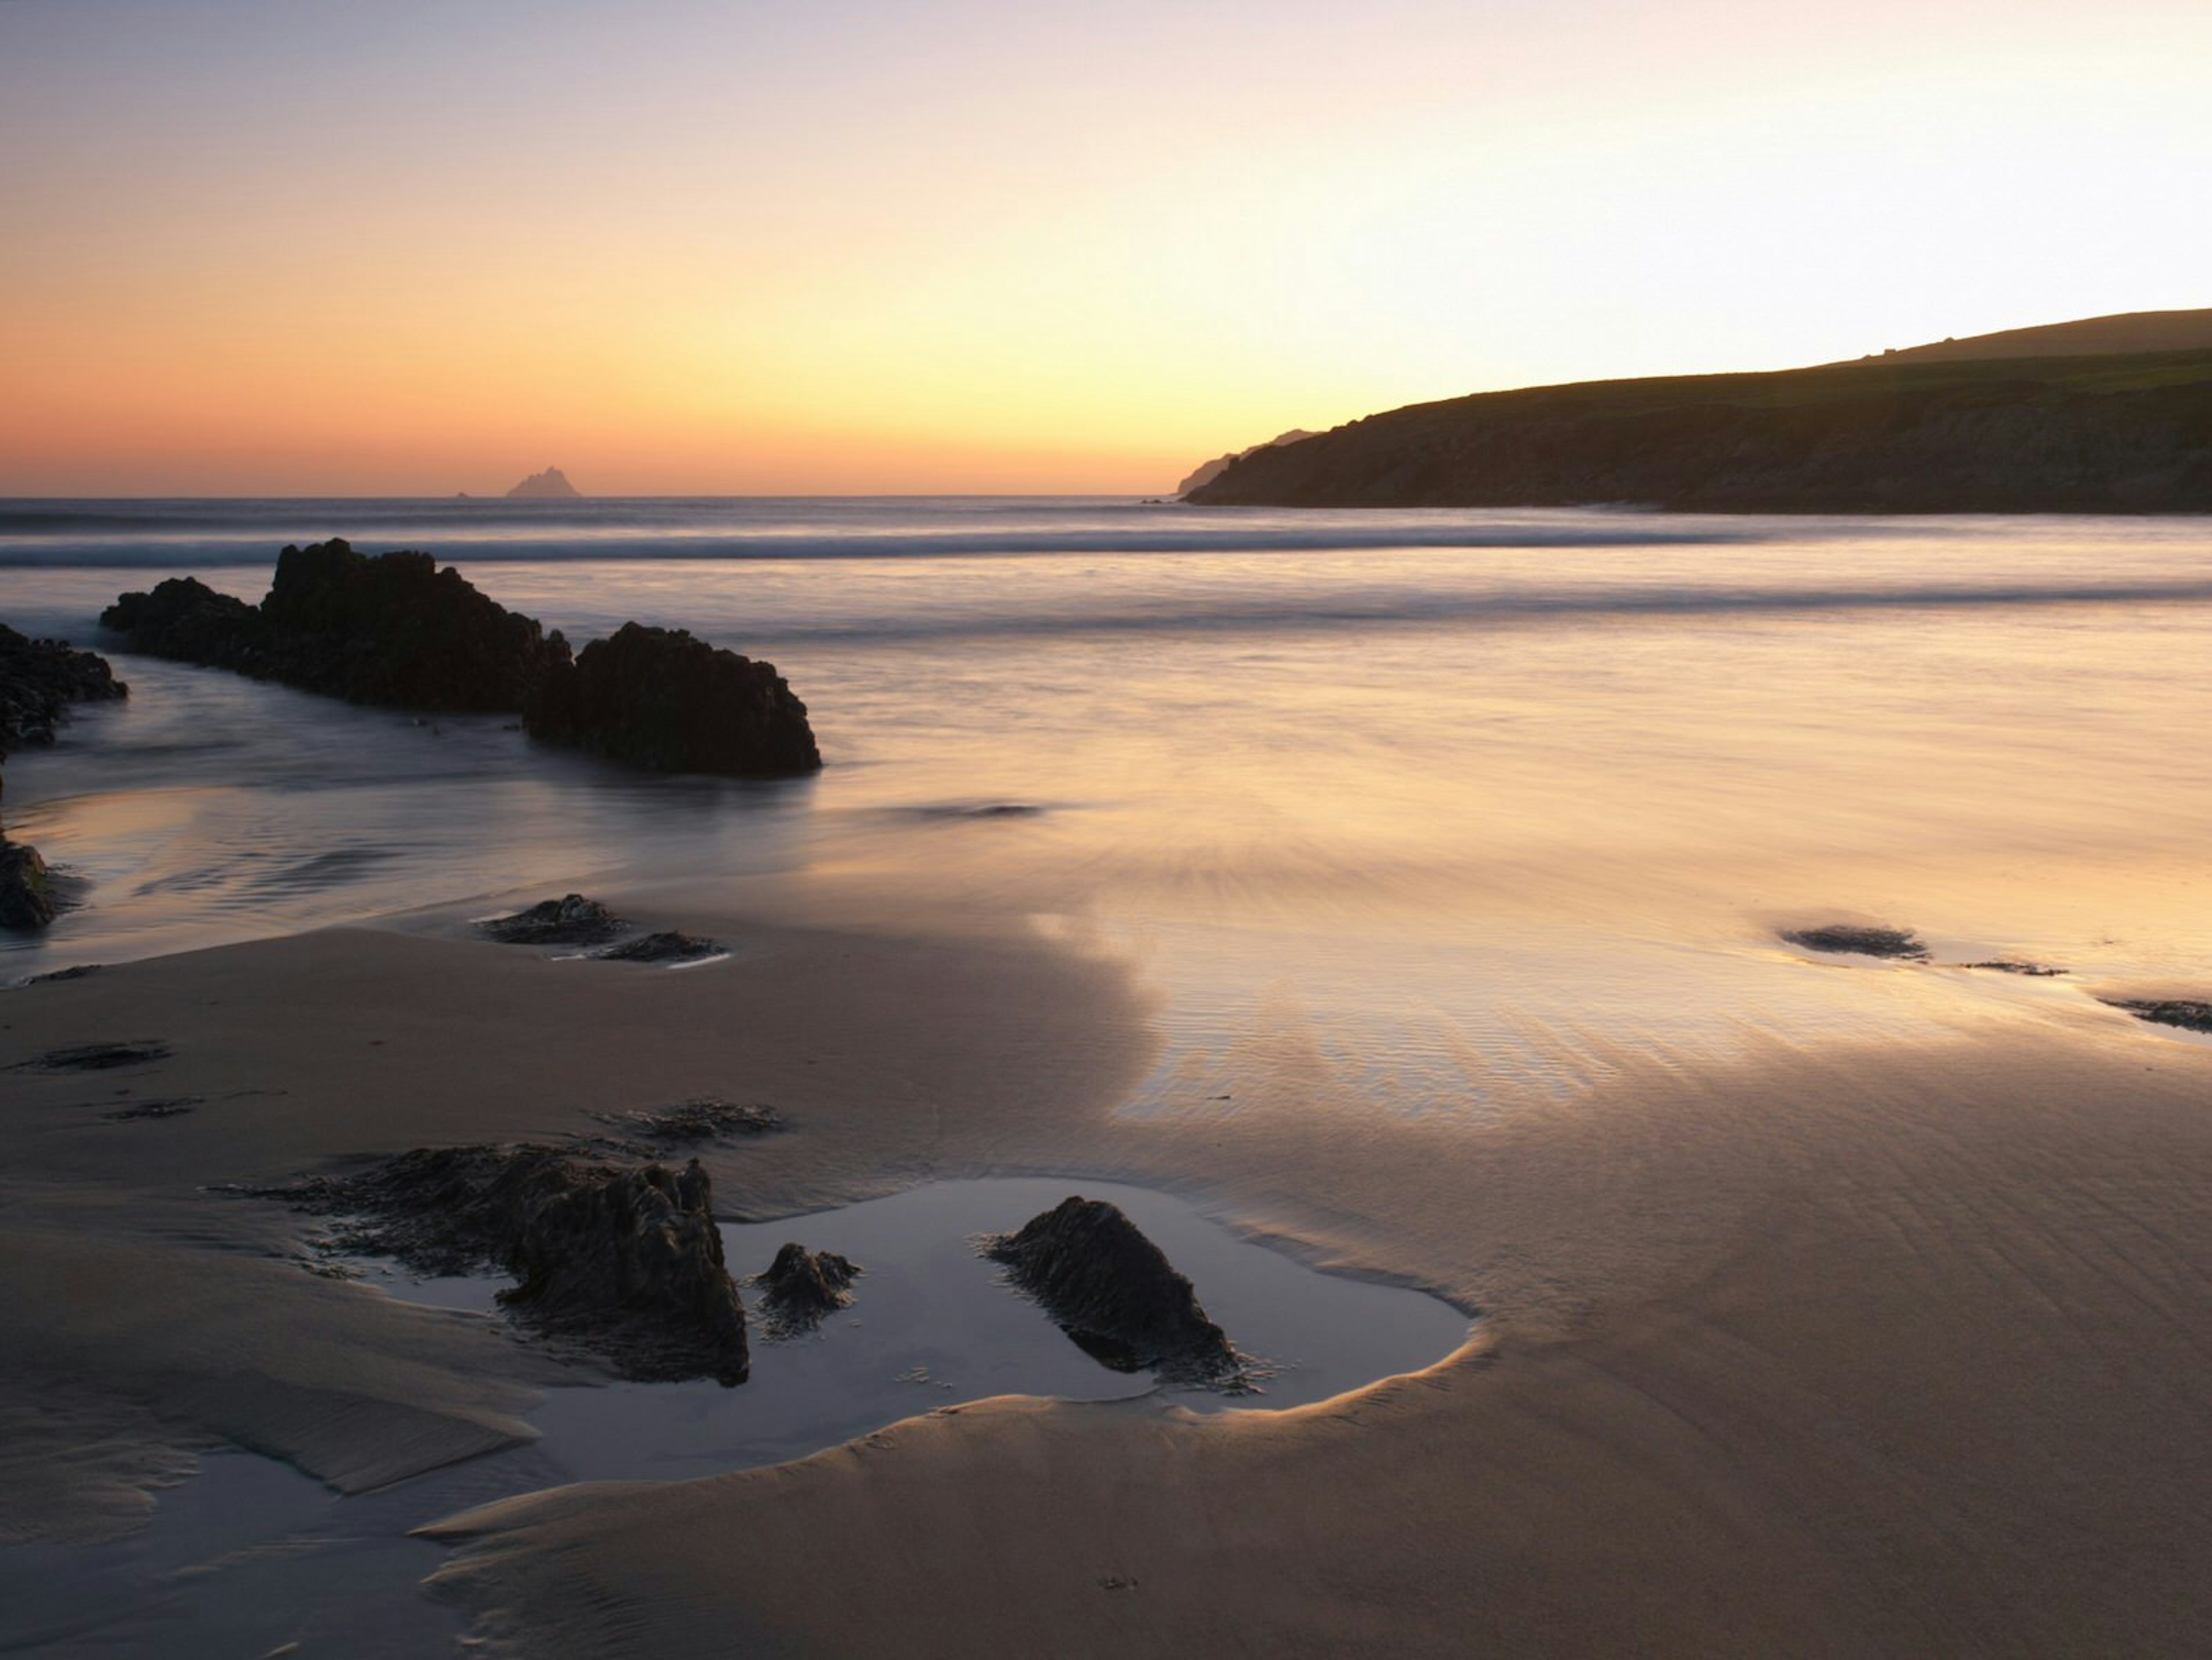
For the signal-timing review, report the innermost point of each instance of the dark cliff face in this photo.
(2081, 434)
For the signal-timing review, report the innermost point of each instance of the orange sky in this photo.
(298, 247)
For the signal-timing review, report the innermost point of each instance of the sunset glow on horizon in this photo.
(265, 248)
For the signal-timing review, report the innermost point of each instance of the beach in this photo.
(1406, 893)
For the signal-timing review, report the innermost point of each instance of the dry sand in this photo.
(1882, 1350)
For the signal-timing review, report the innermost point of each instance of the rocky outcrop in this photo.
(39, 680)
(395, 629)
(390, 628)
(707, 1119)
(800, 1287)
(571, 921)
(659, 698)
(552, 484)
(2188, 1013)
(1115, 1292)
(667, 948)
(1857, 941)
(26, 888)
(185, 620)
(2072, 434)
(625, 1260)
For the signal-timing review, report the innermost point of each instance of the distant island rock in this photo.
(552, 484)
(1209, 471)
(1943, 431)
(395, 629)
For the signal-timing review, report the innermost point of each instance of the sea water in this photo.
(1453, 803)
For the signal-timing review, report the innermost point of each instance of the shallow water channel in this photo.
(250, 1556)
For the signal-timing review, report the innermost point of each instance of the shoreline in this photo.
(1743, 1353)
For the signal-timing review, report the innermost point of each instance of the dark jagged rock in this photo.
(1115, 1292)
(659, 698)
(26, 888)
(573, 920)
(624, 1259)
(664, 947)
(703, 1120)
(2186, 1012)
(97, 1057)
(185, 619)
(39, 679)
(1859, 942)
(395, 629)
(802, 1287)
(392, 629)
(2012, 966)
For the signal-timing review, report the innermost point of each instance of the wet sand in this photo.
(1827, 1349)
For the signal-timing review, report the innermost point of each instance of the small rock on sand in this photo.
(1895, 942)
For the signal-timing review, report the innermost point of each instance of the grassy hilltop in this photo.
(1904, 433)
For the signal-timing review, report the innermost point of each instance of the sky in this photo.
(854, 246)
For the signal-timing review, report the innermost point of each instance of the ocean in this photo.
(1420, 812)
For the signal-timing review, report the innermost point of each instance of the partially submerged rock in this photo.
(659, 698)
(667, 947)
(98, 1057)
(571, 921)
(625, 1260)
(185, 620)
(39, 679)
(389, 628)
(27, 887)
(1898, 943)
(801, 1286)
(708, 1119)
(395, 629)
(2186, 1012)
(1115, 1292)
(169, 1106)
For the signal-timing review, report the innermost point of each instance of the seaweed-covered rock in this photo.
(706, 1119)
(625, 1260)
(572, 920)
(39, 679)
(659, 698)
(1115, 1292)
(26, 888)
(2184, 1011)
(668, 947)
(801, 1286)
(390, 628)
(1900, 943)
